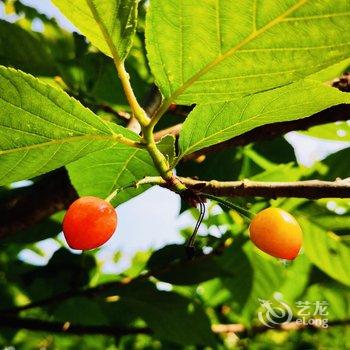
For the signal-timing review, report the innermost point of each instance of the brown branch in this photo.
(93, 291)
(118, 114)
(105, 287)
(13, 322)
(173, 130)
(268, 131)
(311, 189)
(54, 192)
(27, 207)
(66, 327)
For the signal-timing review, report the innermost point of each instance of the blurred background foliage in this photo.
(182, 299)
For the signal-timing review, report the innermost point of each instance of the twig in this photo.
(67, 327)
(118, 114)
(27, 207)
(104, 287)
(311, 189)
(173, 130)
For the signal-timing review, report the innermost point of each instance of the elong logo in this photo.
(278, 312)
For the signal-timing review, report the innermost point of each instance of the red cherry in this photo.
(89, 222)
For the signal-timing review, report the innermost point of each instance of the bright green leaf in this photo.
(99, 173)
(167, 147)
(336, 295)
(339, 131)
(329, 252)
(210, 51)
(332, 72)
(42, 128)
(214, 123)
(98, 19)
(269, 276)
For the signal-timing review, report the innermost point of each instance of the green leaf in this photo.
(182, 271)
(282, 172)
(329, 252)
(213, 293)
(21, 49)
(167, 147)
(268, 278)
(96, 19)
(59, 41)
(170, 315)
(100, 173)
(47, 228)
(214, 123)
(42, 128)
(94, 75)
(334, 165)
(297, 278)
(65, 271)
(210, 51)
(232, 267)
(222, 165)
(318, 213)
(71, 310)
(339, 131)
(277, 150)
(336, 295)
(331, 72)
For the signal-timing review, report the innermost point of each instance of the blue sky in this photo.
(151, 219)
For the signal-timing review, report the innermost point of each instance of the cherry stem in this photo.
(191, 241)
(230, 205)
(148, 180)
(119, 189)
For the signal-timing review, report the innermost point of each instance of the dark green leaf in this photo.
(22, 50)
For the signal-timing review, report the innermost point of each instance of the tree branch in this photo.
(173, 130)
(268, 131)
(311, 189)
(105, 287)
(66, 327)
(27, 207)
(54, 191)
